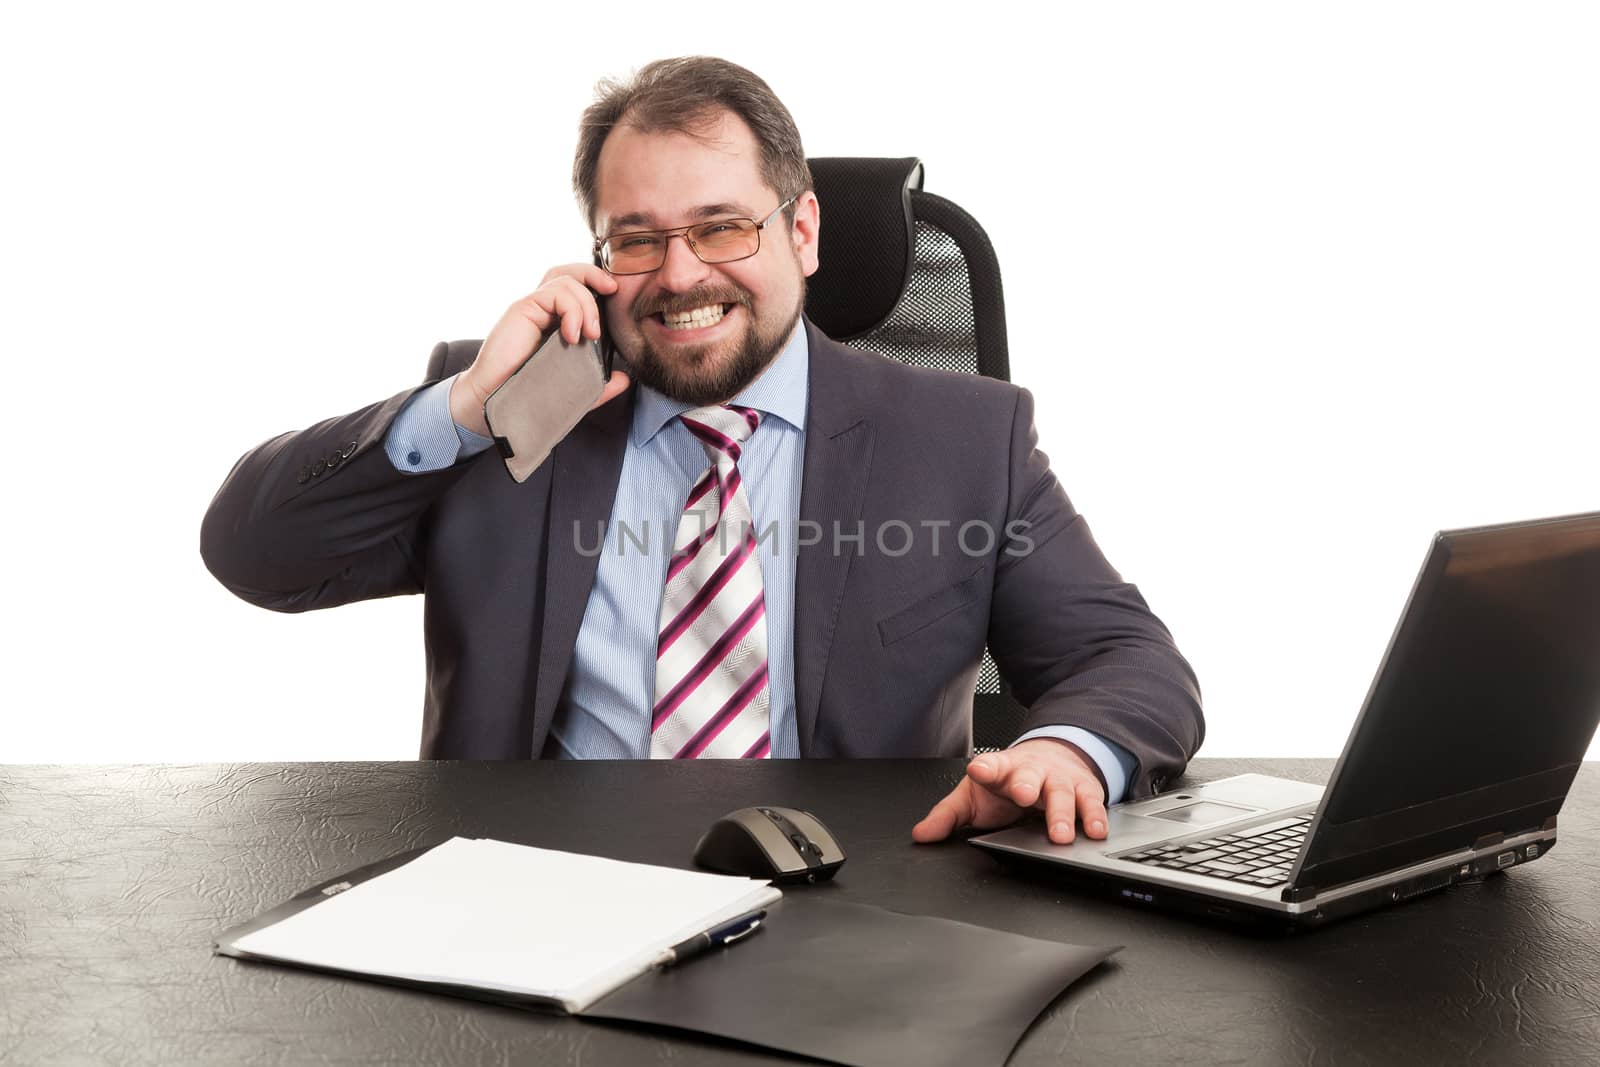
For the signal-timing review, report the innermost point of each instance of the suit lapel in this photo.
(838, 459)
(583, 486)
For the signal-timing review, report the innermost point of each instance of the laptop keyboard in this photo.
(1260, 856)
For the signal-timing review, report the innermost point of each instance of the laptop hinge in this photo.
(1485, 843)
(1301, 894)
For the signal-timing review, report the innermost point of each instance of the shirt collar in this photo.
(780, 390)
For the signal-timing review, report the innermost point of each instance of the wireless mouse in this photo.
(784, 845)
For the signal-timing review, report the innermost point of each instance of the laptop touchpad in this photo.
(1200, 812)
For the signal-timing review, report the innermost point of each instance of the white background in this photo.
(1294, 287)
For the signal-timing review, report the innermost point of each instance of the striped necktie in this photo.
(711, 648)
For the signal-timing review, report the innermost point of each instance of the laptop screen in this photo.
(1482, 709)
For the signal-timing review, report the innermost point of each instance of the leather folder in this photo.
(826, 979)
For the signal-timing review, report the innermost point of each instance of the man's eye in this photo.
(639, 242)
(717, 229)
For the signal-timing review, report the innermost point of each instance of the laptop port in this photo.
(1505, 859)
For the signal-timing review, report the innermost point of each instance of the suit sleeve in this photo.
(322, 517)
(1078, 645)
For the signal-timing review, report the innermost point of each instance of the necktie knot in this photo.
(722, 428)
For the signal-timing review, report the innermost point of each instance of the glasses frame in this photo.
(601, 259)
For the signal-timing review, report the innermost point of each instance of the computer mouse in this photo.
(784, 845)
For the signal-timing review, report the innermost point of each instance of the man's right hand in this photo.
(564, 295)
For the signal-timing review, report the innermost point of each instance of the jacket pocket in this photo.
(930, 609)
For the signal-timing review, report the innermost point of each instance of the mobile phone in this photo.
(544, 399)
(609, 357)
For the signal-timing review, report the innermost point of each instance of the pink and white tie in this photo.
(711, 649)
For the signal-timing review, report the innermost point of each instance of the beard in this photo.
(696, 375)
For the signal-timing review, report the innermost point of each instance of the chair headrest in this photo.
(866, 243)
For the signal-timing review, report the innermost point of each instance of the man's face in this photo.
(742, 312)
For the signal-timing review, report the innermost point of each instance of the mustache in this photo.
(694, 298)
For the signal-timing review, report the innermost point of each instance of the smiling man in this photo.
(701, 568)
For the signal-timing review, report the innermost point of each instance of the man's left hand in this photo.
(1001, 786)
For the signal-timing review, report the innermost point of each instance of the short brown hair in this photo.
(680, 95)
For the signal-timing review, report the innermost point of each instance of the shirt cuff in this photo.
(1116, 763)
(423, 438)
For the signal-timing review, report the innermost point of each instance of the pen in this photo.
(732, 933)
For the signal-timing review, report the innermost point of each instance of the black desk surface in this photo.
(113, 880)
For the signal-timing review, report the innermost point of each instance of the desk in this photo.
(113, 881)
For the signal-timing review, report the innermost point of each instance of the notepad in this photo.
(557, 927)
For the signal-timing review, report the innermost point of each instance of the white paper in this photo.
(510, 918)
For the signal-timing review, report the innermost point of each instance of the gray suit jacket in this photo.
(887, 641)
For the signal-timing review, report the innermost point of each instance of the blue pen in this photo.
(732, 933)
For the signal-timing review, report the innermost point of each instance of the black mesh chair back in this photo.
(910, 275)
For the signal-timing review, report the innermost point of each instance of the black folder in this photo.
(840, 982)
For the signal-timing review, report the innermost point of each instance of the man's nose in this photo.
(680, 270)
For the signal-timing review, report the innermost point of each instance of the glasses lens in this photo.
(633, 253)
(726, 240)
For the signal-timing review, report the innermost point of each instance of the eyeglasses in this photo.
(717, 241)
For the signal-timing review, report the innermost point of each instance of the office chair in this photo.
(908, 274)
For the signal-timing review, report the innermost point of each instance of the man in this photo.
(627, 599)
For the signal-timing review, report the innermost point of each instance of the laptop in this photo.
(1483, 707)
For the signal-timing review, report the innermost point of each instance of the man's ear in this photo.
(807, 227)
